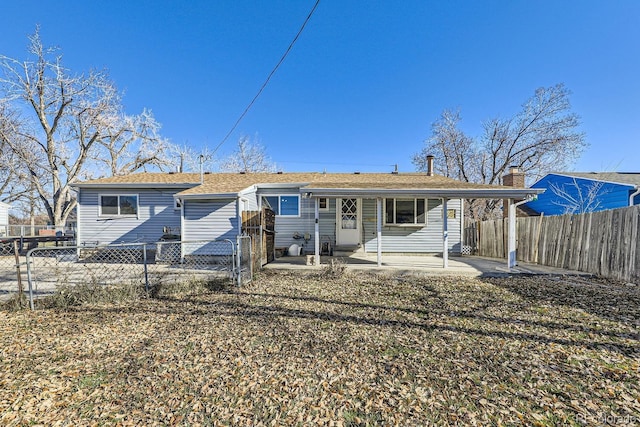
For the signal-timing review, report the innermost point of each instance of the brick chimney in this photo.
(515, 178)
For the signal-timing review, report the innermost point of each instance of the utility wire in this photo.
(264, 85)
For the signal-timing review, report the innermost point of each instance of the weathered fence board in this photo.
(260, 225)
(606, 243)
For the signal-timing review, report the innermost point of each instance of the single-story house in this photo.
(370, 212)
(581, 192)
(4, 218)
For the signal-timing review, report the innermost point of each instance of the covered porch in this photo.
(512, 197)
(473, 266)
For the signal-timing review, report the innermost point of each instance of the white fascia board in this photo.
(248, 190)
(462, 193)
(231, 195)
(133, 185)
(206, 196)
(275, 186)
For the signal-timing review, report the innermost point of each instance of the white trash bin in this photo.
(295, 250)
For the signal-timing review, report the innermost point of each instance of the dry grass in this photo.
(354, 350)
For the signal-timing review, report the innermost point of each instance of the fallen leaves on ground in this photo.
(296, 349)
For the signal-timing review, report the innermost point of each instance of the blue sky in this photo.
(364, 82)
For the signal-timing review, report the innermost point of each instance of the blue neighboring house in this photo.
(582, 192)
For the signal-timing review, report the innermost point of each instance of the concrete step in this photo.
(347, 250)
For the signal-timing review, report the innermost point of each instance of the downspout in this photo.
(511, 247)
(379, 230)
(316, 235)
(633, 196)
(78, 221)
(445, 234)
(238, 251)
(182, 230)
(462, 242)
(239, 214)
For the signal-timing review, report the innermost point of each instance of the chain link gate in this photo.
(245, 265)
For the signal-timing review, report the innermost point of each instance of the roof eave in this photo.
(279, 185)
(143, 185)
(198, 196)
(455, 193)
(588, 178)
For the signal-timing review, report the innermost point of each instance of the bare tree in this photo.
(578, 199)
(542, 137)
(458, 157)
(65, 122)
(185, 158)
(12, 176)
(248, 157)
(132, 143)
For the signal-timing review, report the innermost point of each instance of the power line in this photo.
(264, 85)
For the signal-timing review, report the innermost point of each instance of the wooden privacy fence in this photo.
(261, 227)
(605, 243)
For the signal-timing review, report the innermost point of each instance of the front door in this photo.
(348, 222)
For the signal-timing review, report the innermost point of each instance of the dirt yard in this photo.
(358, 350)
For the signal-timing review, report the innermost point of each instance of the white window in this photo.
(405, 211)
(285, 205)
(323, 203)
(118, 205)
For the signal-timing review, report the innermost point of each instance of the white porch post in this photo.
(379, 229)
(511, 247)
(316, 258)
(445, 235)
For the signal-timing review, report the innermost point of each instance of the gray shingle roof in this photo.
(618, 177)
(233, 183)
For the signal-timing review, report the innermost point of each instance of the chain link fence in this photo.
(146, 265)
(12, 269)
(28, 230)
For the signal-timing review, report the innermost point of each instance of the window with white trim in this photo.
(323, 203)
(285, 204)
(405, 211)
(118, 204)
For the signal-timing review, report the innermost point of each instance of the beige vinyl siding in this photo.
(155, 211)
(412, 239)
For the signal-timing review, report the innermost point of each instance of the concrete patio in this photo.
(431, 264)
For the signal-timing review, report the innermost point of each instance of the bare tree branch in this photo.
(576, 198)
(541, 138)
(66, 126)
(248, 157)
